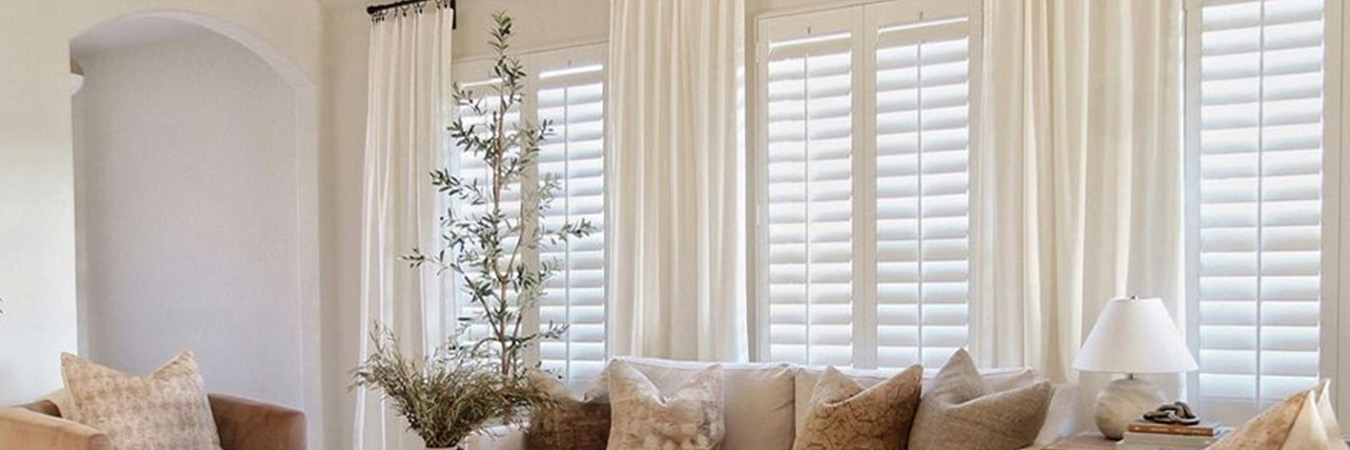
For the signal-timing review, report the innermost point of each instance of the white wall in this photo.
(37, 195)
(186, 184)
(539, 24)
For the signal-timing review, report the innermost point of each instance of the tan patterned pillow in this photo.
(571, 423)
(1305, 420)
(845, 416)
(961, 411)
(166, 410)
(643, 417)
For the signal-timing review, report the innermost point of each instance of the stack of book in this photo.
(1157, 436)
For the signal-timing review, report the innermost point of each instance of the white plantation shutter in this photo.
(809, 204)
(923, 188)
(864, 220)
(566, 88)
(1257, 156)
(571, 95)
(476, 78)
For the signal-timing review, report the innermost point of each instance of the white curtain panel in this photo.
(405, 138)
(676, 186)
(1083, 122)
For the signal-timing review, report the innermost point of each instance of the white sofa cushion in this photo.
(758, 399)
(767, 402)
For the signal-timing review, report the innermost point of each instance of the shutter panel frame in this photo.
(859, 28)
(1263, 183)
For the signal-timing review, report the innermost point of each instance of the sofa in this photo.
(765, 403)
(242, 425)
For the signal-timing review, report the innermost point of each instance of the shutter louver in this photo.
(572, 99)
(923, 192)
(1260, 199)
(810, 276)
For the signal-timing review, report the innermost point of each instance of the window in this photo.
(865, 187)
(1257, 179)
(566, 89)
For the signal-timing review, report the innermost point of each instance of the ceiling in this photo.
(131, 32)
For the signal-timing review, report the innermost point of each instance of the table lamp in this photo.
(1132, 336)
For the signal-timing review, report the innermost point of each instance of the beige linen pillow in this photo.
(1304, 421)
(168, 409)
(962, 411)
(844, 416)
(643, 417)
(571, 423)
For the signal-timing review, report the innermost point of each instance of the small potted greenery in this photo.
(463, 388)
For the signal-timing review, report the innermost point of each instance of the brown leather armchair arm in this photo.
(25, 429)
(249, 425)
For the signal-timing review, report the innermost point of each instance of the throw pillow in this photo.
(1304, 421)
(571, 423)
(757, 402)
(643, 417)
(846, 416)
(167, 409)
(962, 411)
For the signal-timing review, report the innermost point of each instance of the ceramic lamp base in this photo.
(1124, 401)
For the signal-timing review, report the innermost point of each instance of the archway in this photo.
(196, 205)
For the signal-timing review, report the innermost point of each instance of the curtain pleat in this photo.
(405, 138)
(1083, 117)
(676, 187)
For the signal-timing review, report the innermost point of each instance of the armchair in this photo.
(242, 424)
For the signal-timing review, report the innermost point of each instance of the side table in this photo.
(1084, 441)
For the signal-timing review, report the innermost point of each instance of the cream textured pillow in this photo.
(643, 417)
(757, 402)
(845, 416)
(166, 410)
(961, 411)
(570, 424)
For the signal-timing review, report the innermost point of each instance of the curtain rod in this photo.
(375, 10)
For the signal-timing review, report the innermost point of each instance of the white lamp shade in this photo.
(1135, 336)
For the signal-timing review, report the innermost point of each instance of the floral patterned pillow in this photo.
(844, 416)
(643, 417)
(168, 409)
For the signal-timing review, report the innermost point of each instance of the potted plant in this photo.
(464, 387)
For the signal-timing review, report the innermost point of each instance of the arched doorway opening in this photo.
(196, 205)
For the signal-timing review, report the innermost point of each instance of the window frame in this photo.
(1334, 362)
(862, 21)
(578, 54)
